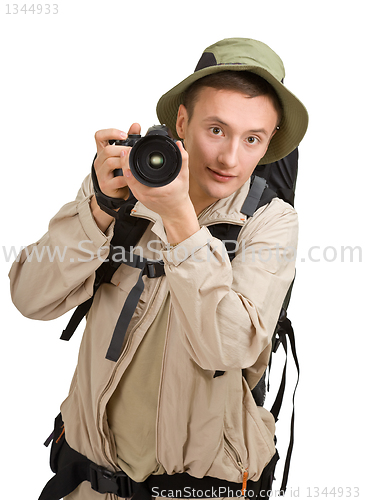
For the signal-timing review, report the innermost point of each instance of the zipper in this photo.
(160, 388)
(117, 364)
(234, 455)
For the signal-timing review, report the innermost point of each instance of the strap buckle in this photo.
(155, 269)
(104, 481)
(280, 331)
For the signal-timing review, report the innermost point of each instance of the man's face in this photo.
(226, 137)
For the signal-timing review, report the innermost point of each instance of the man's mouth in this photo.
(220, 176)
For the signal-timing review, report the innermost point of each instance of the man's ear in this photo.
(181, 121)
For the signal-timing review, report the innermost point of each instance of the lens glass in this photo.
(156, 160)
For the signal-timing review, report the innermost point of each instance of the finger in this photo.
(135, 128)
(183, 151)
(109, 182)
(104, 162)
(124, 165)
(107, 167)
(102, 137)
(124, 159)
(184, 155)
(110, 151)
(117, 183)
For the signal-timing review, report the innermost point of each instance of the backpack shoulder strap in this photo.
(259, 195)
(281, 176)
(127, 232)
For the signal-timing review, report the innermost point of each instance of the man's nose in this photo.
(229, 153)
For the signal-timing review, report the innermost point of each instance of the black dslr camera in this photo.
(155, 160)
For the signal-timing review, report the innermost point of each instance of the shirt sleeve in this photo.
(57, 273)
(227, 312)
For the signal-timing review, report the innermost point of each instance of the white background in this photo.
(104, 64)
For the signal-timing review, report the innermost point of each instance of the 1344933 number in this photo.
(335, 492)
(34, 8)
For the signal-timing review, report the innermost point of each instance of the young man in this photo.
(159, 411)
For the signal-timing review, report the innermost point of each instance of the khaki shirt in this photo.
(222, 317)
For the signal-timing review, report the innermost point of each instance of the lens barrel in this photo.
(155, 160)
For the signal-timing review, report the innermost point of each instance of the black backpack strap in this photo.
(76, 318)
(103, 275)
(106, 203)
(152, 269)
(258, 185)
(281, 176)
(128, 231)
(258, 196)
(71, 468)
(228, 234)
(284, 330)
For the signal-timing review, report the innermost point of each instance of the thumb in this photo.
(135, 128)
(184, 155)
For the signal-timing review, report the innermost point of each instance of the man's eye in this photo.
(252, 140)
(216, 130)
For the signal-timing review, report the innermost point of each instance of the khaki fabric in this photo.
(132, 409)
(222, 317)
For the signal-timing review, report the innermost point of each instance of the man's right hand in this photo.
(106, 161)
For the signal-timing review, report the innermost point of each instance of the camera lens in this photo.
(155, 160)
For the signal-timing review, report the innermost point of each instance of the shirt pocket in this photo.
(125, 277)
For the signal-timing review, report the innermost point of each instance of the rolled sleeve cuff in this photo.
(89, 226)
(184, 250)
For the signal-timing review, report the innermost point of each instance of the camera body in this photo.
(155, 160)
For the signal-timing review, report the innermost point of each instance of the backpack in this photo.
(267, 182)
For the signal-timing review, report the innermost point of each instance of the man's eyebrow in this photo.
(216, 119)
(259, 131)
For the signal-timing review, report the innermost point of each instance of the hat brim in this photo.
(293, 125)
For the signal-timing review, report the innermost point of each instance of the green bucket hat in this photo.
(243, 54)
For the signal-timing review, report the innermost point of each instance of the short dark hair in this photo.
(239, 81)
